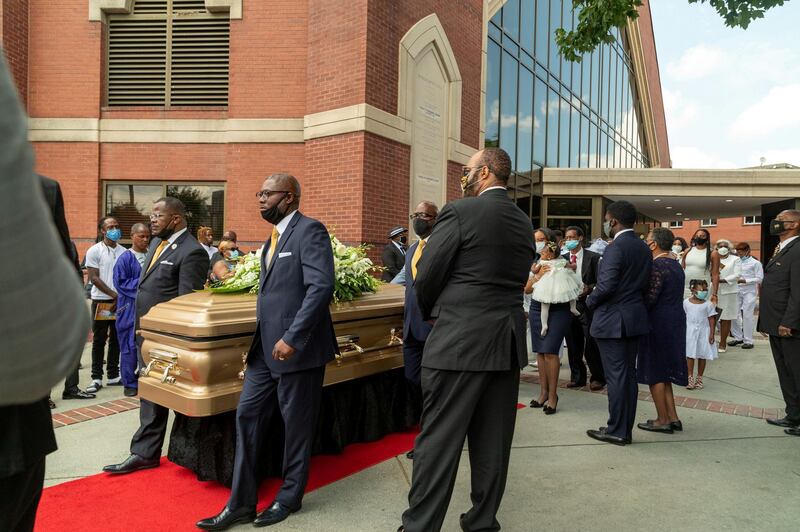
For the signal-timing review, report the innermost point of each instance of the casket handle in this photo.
(170, 361)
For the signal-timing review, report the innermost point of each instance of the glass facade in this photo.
(547, 111)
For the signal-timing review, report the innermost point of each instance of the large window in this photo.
(168, 53)
(132, 202)
(752, 220)
(708, 222)
(574, 114)
(676, 224)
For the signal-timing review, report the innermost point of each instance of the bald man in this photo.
(779, 314)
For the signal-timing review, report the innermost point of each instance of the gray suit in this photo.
(180, 269)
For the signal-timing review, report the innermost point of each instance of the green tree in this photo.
(597, 17)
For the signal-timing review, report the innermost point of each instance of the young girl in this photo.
(700, 325)
(559, 285)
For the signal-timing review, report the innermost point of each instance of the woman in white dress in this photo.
(701, 262)
(730, 269)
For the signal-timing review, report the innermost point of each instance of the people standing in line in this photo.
(205, 235)
(779, 314)
(580, 343)
(100, 260)
(394, 254)
(701, 262)
(679, 247)
(554, 289)
(701, 317)
(286, 364)
(44, 319)
(729, 273)
(620, 318)
(661, 361)
(470, 281)
(176, 264)
(55, 201)
(415, 328)
(751, 277)
(127, 272)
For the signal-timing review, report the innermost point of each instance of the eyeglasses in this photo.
(267, 193)
(423, 215)
(466, 170)
(157, 216)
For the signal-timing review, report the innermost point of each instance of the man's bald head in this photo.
(789, 215)
(498, 161)
(286, 182)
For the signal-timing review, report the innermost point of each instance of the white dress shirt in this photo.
(623, 231)
(785, 242)
(578, 260)
(752, 273)
(284, 223)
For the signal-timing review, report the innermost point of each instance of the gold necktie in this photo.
(415, 258)
(159, 249)
(273, 244)
(777, 250)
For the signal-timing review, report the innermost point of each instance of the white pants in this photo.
(743, 326)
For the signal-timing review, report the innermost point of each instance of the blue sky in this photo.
(731, 96)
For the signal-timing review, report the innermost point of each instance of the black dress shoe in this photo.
(276, 513)
(132, 463)
(227, 518)
(652, 427)
(735, 342)
(677, 425)
(130, 392)
(77, 393)
(410, 454)
(596, 386)
(51, 403)
(792, 432)
(747, 346)
(783, 422)
(576, 385)
(602, 436)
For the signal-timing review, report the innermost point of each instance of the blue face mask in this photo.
(701, 294)
(235, 254)
(114, 234)
(571, 244)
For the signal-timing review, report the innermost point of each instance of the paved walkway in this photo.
(728, 470)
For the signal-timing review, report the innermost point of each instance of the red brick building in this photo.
(740, 229)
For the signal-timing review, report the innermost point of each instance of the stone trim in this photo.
(634, 39)
(99, 8)
(232, 7)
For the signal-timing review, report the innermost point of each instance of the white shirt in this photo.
(578, 260)
(623, 231)
(209, 249)
(139, 256)
(731, 272)
(497, 187)
(399, 246)
(103, 257)
(284, 223)
(785, 242)
(752, 273)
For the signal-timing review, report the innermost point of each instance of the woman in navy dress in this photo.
(662, 354)
(547, 347)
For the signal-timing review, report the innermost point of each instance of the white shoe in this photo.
(722, 350)
(94, 386)
(114, 382)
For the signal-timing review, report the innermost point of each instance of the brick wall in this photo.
(732, 229)
(14, 41)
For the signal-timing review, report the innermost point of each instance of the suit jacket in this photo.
(55, 201)
(470, 279)
(589, 266)
(393, 260)
(413, 322)
(180, 269)
(617, 301)
(780, 291)
(294, 297)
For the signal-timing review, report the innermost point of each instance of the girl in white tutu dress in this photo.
(558, 285)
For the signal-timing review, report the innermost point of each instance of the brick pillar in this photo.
(14, 39)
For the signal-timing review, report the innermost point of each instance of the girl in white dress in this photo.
(700, 324)
(558, 285)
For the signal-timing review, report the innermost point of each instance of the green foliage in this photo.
(597, 17)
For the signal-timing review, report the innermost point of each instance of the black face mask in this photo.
(777, 227)
(422, 227)
(403, 240)
(701, 240)
(273, 215)
(166, 232)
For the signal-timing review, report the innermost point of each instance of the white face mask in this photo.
(724, 251)
(677, 250)
(539, 247)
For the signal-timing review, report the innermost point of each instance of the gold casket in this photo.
(195, 346)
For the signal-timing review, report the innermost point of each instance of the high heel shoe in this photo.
(548, 410)
(537, 404)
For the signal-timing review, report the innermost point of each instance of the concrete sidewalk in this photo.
(724, 472)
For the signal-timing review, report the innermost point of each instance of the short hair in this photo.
(724, 241)
(696, 283)
(173, 204)
(231, 233)
(575, 228)
(548, 233)
(102, 221)
(287, 179)
(663, 238)
(139, 227)
(794, 213)
(498, 161)
(203, 230)
(745, 245)
(623, 211)
(430, 204)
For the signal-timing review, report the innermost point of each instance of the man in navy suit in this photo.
(294, 340)
(620, 318)
(415, 328)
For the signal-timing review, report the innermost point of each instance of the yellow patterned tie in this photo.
(157, 254)
(777, 250)
(273, 244)
(415, 258)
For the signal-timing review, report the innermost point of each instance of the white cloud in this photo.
(680, 112)
(697, 62)
(777, 110)
(774, 156)
(692, 157)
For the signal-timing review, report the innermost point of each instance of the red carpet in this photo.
(170, 498)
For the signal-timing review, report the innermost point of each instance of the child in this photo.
(559, 285)
(700, 324)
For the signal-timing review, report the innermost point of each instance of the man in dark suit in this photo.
(580, 343)
(779, 314)
(176, 264)
(394, 254)
(620, 318)
(285, 368)
(470, 281)
(416, 329)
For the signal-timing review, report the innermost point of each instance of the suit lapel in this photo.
(165, 253)
(786, 248)
(587, 260)
(149, 257)
(282, 240)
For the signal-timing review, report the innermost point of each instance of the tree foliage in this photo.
(597, 17)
